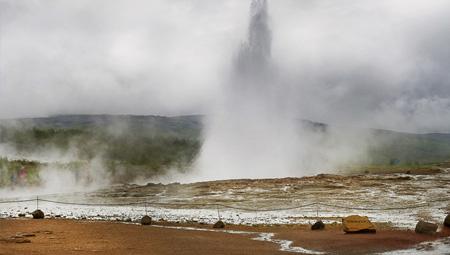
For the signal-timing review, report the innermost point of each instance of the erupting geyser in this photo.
(251, 133)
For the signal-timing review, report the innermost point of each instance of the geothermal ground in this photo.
(394, 201)
(397, 199)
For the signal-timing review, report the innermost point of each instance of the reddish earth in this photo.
(88, 237)
(337, 242)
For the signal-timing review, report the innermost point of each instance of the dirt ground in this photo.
(337, 242)
(60, 236)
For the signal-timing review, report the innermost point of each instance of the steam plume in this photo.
(250, 132)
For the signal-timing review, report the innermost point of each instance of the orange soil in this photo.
(95, 237)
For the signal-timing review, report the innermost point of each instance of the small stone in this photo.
(21, 215)
(14, 240)
(318, 225)
(128, 220)
(25, 235)
(38, 214)
(219, 224)
(22, 241)
(428, 228)
(146, 220)
(447, 221)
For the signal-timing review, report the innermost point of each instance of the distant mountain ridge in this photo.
(189, 125)
(407, 148)
(188, 121)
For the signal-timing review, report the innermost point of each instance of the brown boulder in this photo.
(423, 227)
(146, 220)
(219, 224)
(38, 214)
(447, 221)
(357, 224)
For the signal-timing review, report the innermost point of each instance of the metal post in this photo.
(218, 212)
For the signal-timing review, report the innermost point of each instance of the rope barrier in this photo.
(17, 201)
(90, 204)
(218, 205)
(376, 209)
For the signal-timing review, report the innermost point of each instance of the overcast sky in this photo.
(383, 64)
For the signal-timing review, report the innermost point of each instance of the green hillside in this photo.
(410, 149)
(150, 145)
(127, 145)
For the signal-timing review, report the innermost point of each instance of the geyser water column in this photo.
(250, 132)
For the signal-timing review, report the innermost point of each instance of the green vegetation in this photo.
(404, 149)
(18, 172)
(127, 146)
(130, 146)
(154, 152)
(384, 169)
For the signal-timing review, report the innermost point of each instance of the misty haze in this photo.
(216, 124)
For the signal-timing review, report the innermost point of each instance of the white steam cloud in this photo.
(251, 133)
(363, 64)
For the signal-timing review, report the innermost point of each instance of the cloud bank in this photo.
(381, 64)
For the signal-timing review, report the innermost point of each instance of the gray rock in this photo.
(447, 221)
(318, 225)
(219, 224)
(38, 214)
(146, 220)
(428, 228)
